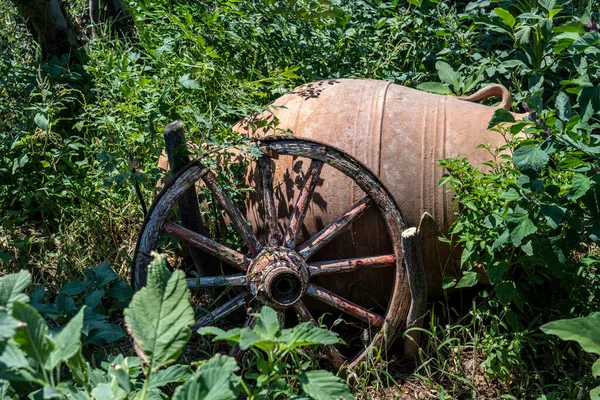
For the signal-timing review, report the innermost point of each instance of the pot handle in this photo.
(489, 91)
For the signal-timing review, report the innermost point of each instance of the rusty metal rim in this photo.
(398, 305)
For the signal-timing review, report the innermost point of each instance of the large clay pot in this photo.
(397, 132)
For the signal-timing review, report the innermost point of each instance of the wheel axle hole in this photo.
(286, 288)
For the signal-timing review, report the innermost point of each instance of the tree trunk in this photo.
(50, 27)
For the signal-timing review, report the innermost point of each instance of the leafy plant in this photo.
(586, 332)
(271, 345)
(34, 361)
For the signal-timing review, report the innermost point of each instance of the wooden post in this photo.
(189, 209)
(417, 284)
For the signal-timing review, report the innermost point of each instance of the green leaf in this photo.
(323, 385)
(434, 87)
(447, 74)
(530, 159)
(523, 228)
(188, 82)
(32, 335)
(79, 369)
(214, 380)
(11, 356)
(501, 116)
(563, 106)
(109, 391)
(159, 316)
(501, 240)
(68, 342)
(505, 16)
(595, 393)
(93, 299)
(8, 325)
(174, 373)
(469, 279)
(496, 271)
(307, 334)
(12, 288)
(510, 195)
(505, 291)
(579, 186)
(74, 288)
(267, 326)
(553, 214)
(220, 334)
(596, 369)
(585, 331)
(589, 102)
(41, 121)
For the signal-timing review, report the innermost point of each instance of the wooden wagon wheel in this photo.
(279, 271)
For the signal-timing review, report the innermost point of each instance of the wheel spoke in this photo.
(327, 234)
(351, 264)
(334, 356)
(344, 305)
(297, 217)
(222, 311)
(213, 281)
(273, 233)
(237, 219)
(226, 254)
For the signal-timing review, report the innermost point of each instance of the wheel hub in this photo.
(278, 276)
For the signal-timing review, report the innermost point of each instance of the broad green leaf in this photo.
(579, 186)
(32, 335)
(596, 369)
(505, 16)
(447, 74)
(267, 326)
(501, 116)
(11, 356)
(214, 380)
(74, 288)
(530, 159)
(121, 375)
(595, 393)
(220, 334)
(585, 331)
(50, 392)
(93, 299)
(587, 40)
(8, 325)
(469, 279)
(510, 195)
(434, 87)
(12, 288)
(109, 391)
(159, 316)
(523, 228)
(553, 214)
(306, 334)
(563, 106)
(41, 121)
(505, 291)
(101, 275)
(68, 342)
(501, 240)
(188, 82)
(323, 385)
(523, 36)
(589, 102)
(496, 270)
(79, 369)
(174, 373)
